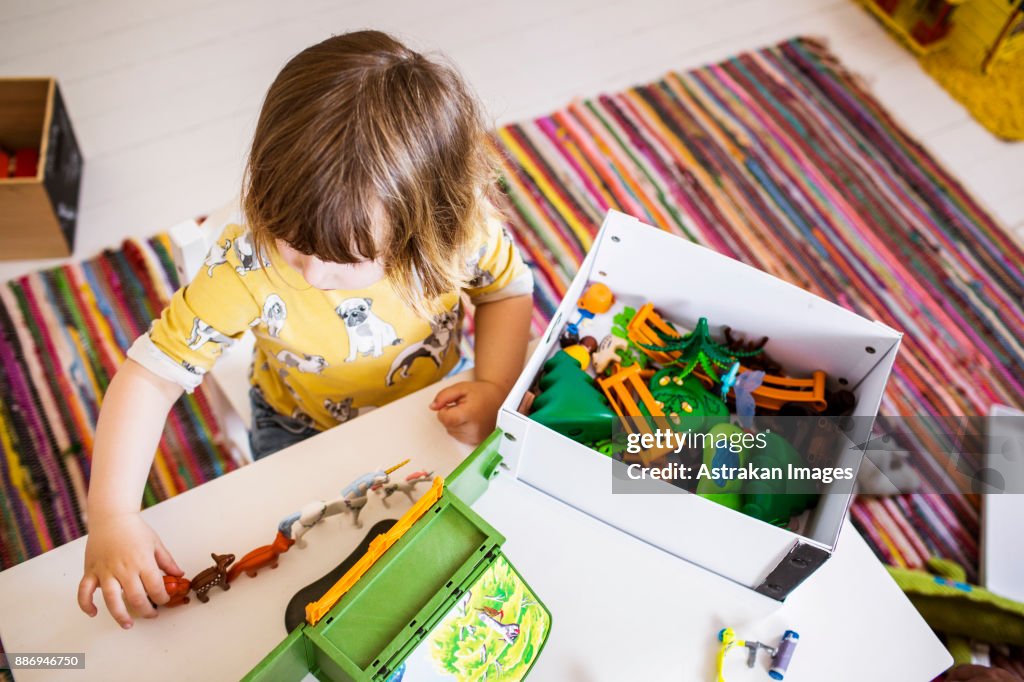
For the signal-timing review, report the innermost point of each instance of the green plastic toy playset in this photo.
(432, 599)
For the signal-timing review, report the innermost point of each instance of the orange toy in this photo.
(177, 590)
(626, 390)
(260, 557)
(597, 299)
(644, 328)
(774, 392)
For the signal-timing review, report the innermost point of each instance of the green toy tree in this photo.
(689, 406)
(698, 348)
(570, 403)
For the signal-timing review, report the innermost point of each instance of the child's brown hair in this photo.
(367, 150)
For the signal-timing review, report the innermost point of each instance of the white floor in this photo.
(163, 95)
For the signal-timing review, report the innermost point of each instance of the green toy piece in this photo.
(631, 355)
(776, 501)
(570, 403)
(687, 404)
(959, 610)
(609, 447)
(724, 491)
(698, 348)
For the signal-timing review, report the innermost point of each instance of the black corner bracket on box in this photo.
(801, 561)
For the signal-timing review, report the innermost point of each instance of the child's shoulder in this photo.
(235, 249)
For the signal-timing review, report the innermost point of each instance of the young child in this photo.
(365, 216)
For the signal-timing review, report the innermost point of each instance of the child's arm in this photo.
(469, 409)
(122, 553)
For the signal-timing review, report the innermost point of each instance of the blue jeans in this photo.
(272, 431)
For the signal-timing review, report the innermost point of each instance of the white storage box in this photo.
(685, 282)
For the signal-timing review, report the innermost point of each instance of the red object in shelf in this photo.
(26, 163)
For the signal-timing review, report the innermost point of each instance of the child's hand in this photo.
(127, 560)
(469, 409)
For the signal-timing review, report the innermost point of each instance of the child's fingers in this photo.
(154, 584)
(449, 395)
(86, 588)
(452, 417)
(166, 562)
(135, 595)
(114, 602)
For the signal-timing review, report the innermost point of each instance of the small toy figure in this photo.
(729, 380)
(354, 495)
(215, 575)
(260, 557)
(781, 655)
(608, 352)
(595, 300)
(294, 526)
(408, 486)
(177, 590)
(743, 389)
(759, 361)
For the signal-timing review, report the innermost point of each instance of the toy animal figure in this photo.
(729, 379)
(408, 486)
(177, 590)
(355, 493)
(743, 389)
(266, 555)
(608, 352)
(296, 525)
(217, 574)
(508, 631)
(759, 361)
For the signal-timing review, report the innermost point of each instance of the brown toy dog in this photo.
(214, 575)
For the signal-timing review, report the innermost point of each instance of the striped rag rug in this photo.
(781, 159)
(778, 157)
(63, 333)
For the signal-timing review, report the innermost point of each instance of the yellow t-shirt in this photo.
(321, 356)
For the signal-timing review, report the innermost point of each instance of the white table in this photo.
(622, 610)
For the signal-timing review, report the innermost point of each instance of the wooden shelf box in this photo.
(38, 214)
